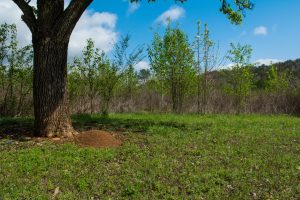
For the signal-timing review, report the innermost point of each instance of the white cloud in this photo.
(132, 7)
(98, 26)
(225, 66)
(11, 14)
(267, 61)
(142, 65)
(173, 14)
(261, 30)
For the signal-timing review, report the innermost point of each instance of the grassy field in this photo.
(164, 157)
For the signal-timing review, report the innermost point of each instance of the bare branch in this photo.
(66, 23)
(28, 13)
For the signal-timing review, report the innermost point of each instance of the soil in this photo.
(97, 139)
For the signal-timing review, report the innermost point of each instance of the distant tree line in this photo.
(184, 77)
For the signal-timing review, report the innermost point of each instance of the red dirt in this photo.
(97, 139)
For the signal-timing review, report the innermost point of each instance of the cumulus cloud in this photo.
(267, 61)
(98, 26)
(11, 14)
(261, 30)
(173, 14)
(101, 27)
(142, 65)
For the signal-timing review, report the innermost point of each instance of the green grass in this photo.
(164, 157)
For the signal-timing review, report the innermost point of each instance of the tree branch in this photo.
(28, 13)
(235, 14)
(66, 23)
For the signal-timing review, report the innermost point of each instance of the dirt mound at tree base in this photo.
(97, 139)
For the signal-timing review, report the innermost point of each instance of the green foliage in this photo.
(236, 14)
(240, 78)
(208, 62)
(240, 55)
(120, 52)
(15, 72)
(163, 157)
(97, 80)
(85, 71)
(126, 61)
(276, 82)
(277, 87)
(172, 61)
(108, 79)
(144, 75)
(157, 63)
(96, 75)
(130, 82)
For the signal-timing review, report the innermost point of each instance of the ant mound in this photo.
(97, 139)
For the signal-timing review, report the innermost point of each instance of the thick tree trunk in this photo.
(51, 25)
(50, 94)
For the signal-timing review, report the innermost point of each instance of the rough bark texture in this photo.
(51, 27)
(50, 89)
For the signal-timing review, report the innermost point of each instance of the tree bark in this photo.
(50, 88)
(51, 27)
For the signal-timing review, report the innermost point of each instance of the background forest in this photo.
(198, 119)
(186, 76)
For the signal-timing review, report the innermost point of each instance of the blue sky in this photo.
(277, 21)
(272, 28)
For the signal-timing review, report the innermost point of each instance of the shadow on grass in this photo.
(22, 128)
(86, 122)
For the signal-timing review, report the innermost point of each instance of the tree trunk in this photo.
(105, 106)
(51, 25)
(50, 88)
